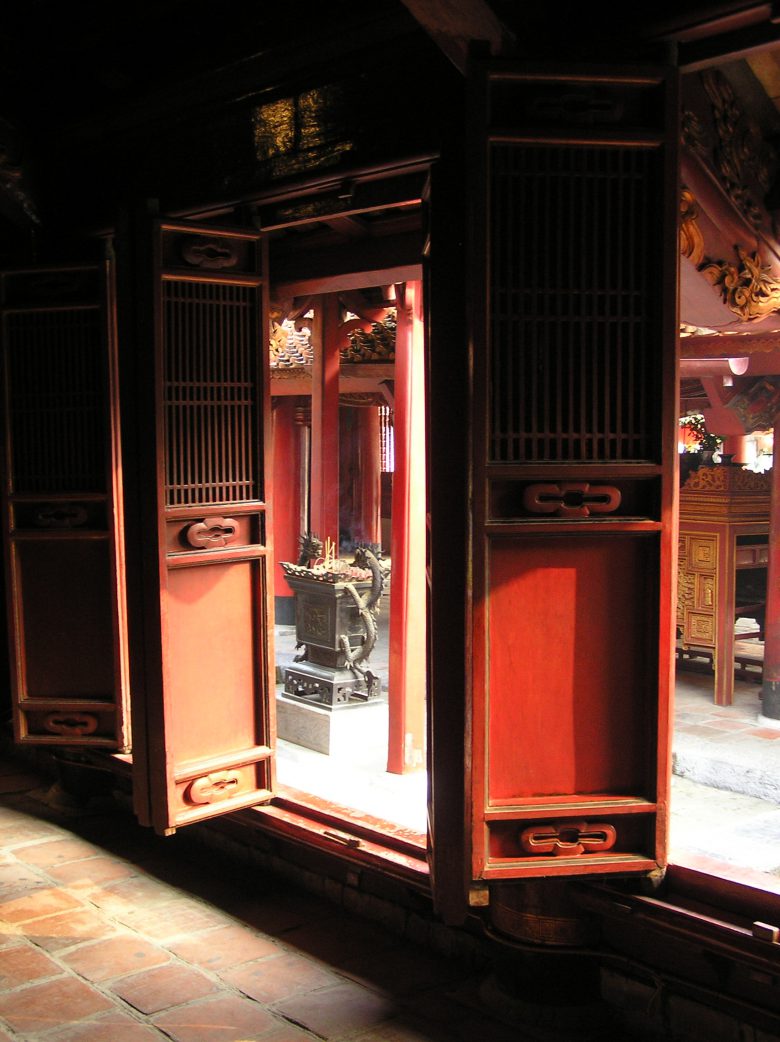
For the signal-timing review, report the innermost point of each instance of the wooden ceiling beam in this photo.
(349, 227)
(737, 345)
(453, 27)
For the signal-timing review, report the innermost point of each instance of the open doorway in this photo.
(726, 785)
(348, 407)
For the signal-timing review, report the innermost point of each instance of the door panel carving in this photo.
(574, 225)
(209, 730)
(62, 509)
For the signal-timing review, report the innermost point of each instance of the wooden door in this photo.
(573, 331)
(202, 657)
(62, 519)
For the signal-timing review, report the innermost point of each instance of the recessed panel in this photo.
(213, 670)
(65, 602)
(572, 625)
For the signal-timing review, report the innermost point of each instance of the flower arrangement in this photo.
(705, 442)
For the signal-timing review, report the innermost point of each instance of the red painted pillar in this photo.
(770, 691)
(369, 473)
(285, 501)
(406, 696)
(734, 445)
(325, 420)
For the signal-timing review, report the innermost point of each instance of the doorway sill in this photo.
(346, 834)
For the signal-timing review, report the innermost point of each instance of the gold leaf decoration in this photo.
(748, 289)
(691, 238)
(740, 152)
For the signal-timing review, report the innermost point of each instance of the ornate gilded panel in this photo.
(686, 594)
(701, 629)
(705, 592)
(703, 553)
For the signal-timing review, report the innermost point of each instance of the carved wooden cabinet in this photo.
(724, 526)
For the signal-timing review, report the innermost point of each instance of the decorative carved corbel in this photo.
(691, 238)
(747, 289)
(693, 134)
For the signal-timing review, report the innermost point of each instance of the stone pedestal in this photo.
(333, 734)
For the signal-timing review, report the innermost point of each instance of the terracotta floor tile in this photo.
(270, 980)
(114, 957)
(167, 922)
(700, 730)
(286, 1032)
(16, 878)
(10, 936)
(22, 964)
(62, 931)
(728, 725)
(277, 913)
(764, 732)
(35, 904)
(91, 873)
(20, 831)
(114, 1027)
(337, 938)
(225, 1019)
(130, 893)
(49, 1005)
(437, 1007)
(347, 1008)
(407, 1029)
(161, 988)
(402, 971)
(55, 852)
(224, 947)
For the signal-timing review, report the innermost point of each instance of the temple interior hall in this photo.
(390, 526)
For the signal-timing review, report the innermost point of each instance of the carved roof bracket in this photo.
(748, 288)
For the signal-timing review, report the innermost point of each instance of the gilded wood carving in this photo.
(740, 154)
(748, 288)
(691, 238)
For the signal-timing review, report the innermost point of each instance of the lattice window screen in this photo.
(573, 338)
(57, 420)
(210, 405)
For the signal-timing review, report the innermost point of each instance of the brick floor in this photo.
(113, 957)
(111, 934)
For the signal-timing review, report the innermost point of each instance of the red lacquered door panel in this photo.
(574, 472)
(207, 681)
(62, 509)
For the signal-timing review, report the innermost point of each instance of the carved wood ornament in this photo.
(747, 289)
(691, 238)
(740, 153)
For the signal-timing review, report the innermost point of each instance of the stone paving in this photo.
(111, 934)
(726, 783)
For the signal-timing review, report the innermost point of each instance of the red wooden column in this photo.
(770, 692)
(325, 420)
(285, 502)
(369, 469)
(735, 445)
(406, 740)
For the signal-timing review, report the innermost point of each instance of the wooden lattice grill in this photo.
(574, 337)
(210, 399)
(56, 383)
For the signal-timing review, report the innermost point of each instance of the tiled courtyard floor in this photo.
(111, 934)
